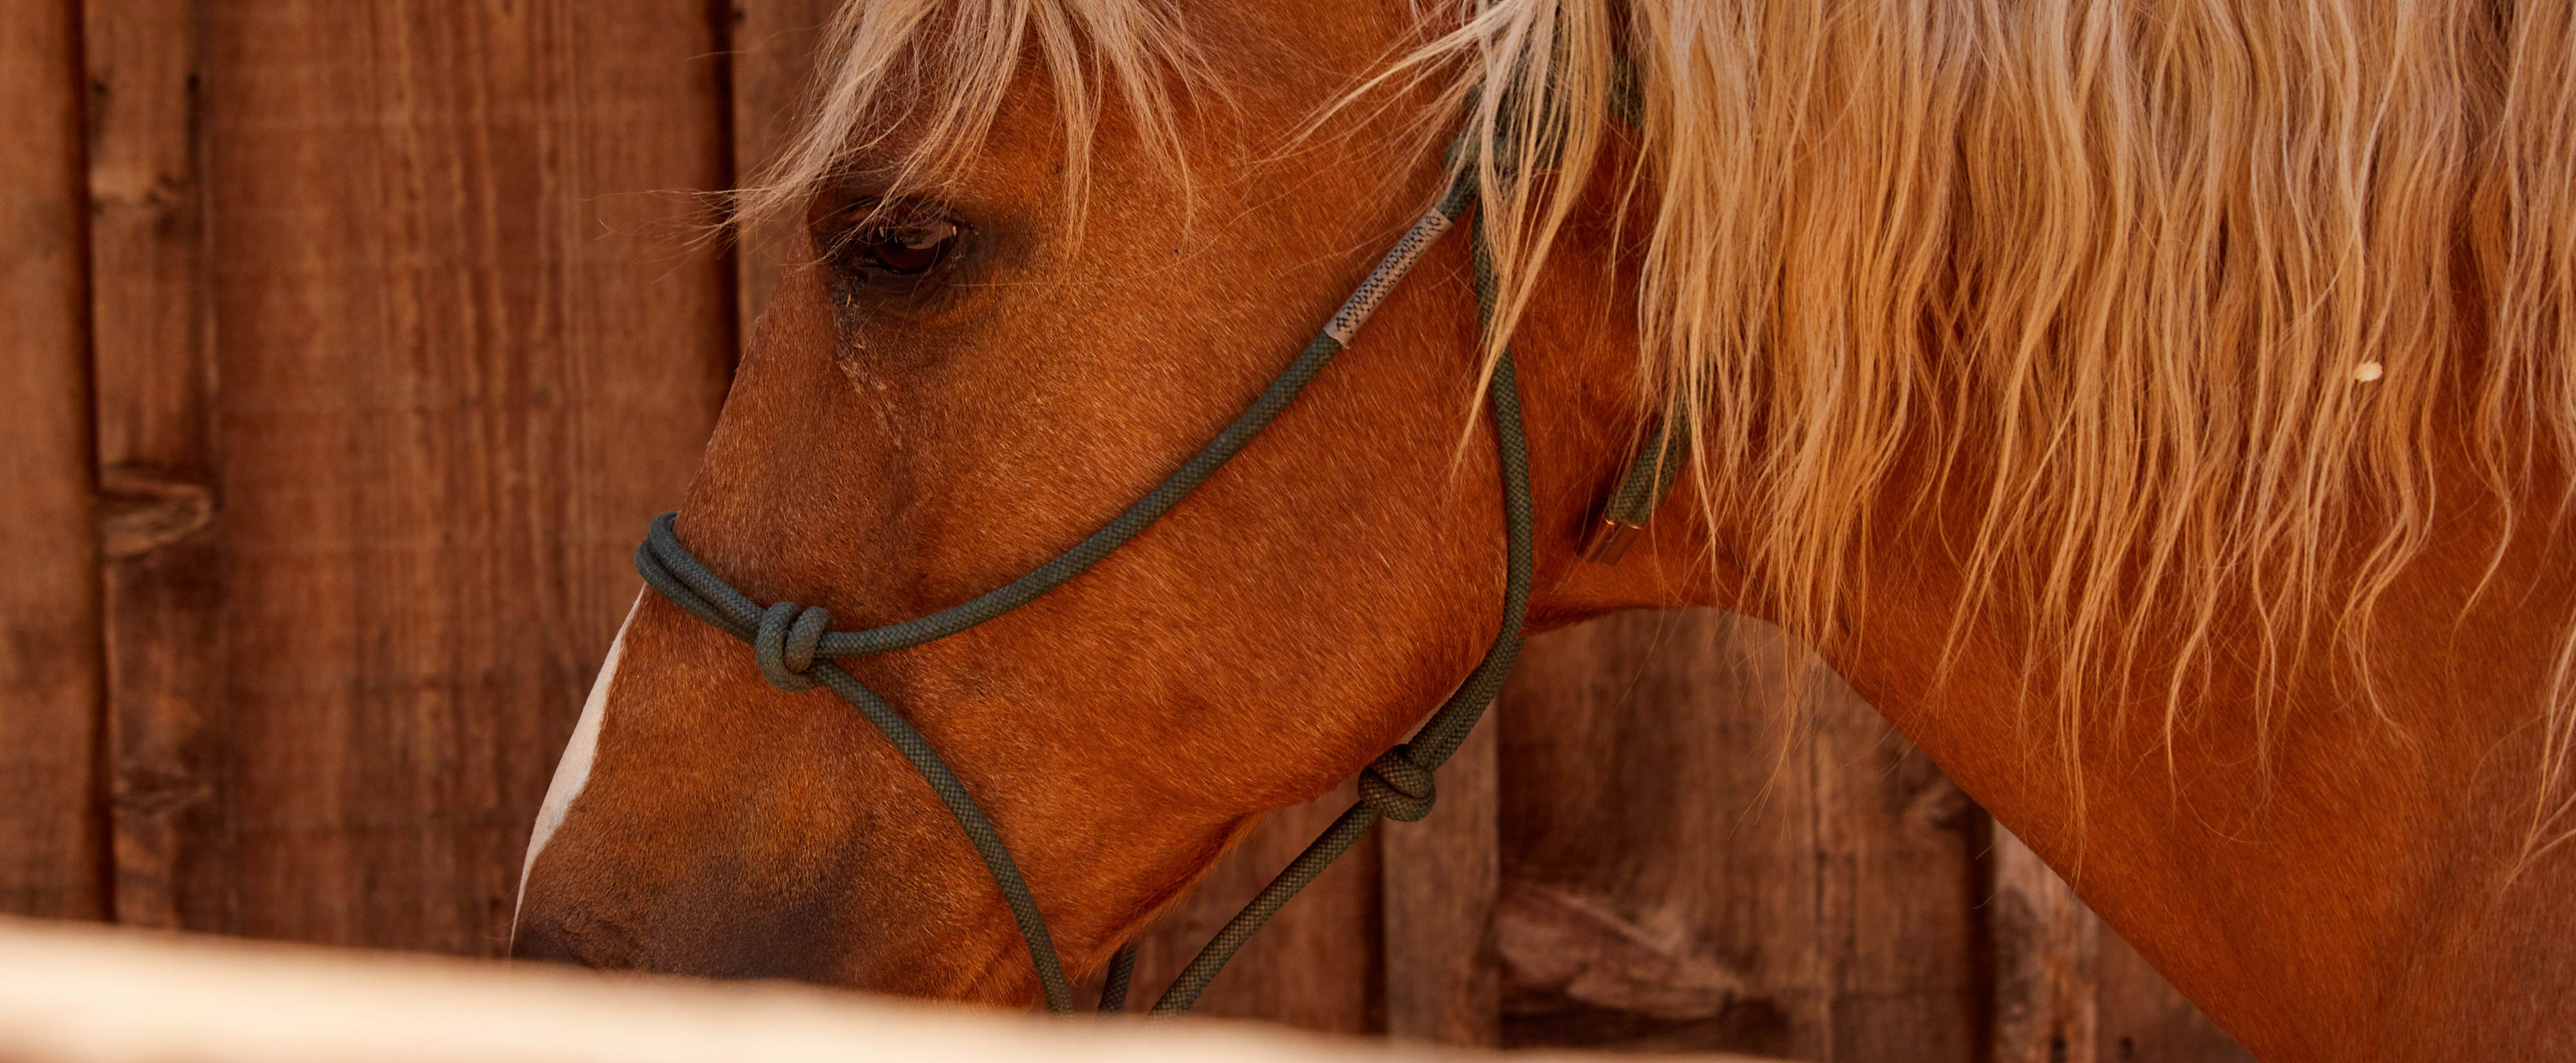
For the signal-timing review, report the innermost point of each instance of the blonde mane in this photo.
(2175, 292)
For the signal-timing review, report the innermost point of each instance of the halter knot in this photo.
(1396, 787)
(785, 643)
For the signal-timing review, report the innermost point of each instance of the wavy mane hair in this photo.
(2174, 292)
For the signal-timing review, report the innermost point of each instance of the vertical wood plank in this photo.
(50, 825)
(1440, 880)
(465, 357)
(2143, 1019)
(1314, 966)
(2045, 947)
(1660, 884)
(169, 711)
(2068, 990)
(2072, 991)
(1675, 877)
(1897, 848)
(774, 44)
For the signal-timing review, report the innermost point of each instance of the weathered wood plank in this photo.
(168, 677)
(2068, 990)
(1897, 846)
(1315, 964)
(2045, 948)
(2143, 1019)
(464, 359)
(50, 825)
(1675, 877)
(1440, 881)
(774, 43)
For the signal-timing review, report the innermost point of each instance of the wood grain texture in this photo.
(168, 690)
(465, 355)
(1896, 848)
(2141, 1018)
(2046, 949)
(1675, 877)
(1315, 964)
(773, 49)
(51, 828)
(2068, 990)
(1441, 878)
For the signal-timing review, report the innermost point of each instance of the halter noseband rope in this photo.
(797, 650)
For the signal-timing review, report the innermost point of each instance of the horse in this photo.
(2163, 413)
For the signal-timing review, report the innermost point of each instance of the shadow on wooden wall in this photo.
(1633, 855)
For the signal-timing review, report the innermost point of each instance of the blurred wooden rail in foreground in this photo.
(82, 994)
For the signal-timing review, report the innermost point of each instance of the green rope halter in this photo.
(797, 650)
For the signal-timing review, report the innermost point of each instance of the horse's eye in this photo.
(908, 249)
(890, 248)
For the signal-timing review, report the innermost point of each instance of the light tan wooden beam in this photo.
(73, 993)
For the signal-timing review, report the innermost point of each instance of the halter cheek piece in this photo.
(797, 649)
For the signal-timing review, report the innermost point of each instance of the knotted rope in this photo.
(1395, 787)
(785, 643)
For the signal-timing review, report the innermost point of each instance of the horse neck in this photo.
(2330, 875)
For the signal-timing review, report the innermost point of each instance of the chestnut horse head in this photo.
(2162, 413)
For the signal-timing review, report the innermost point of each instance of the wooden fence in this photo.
(349, 346)
(70, 994)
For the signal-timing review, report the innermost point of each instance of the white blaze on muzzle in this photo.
(573, 771)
